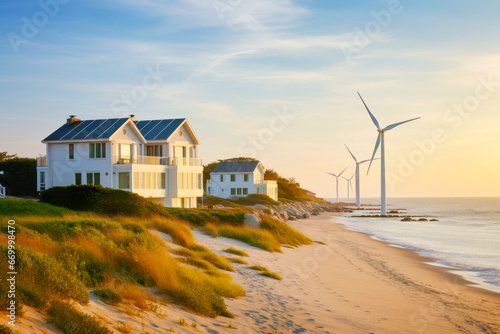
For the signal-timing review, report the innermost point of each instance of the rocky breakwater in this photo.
(298, 210)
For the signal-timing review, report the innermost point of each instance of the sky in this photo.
(273, 79)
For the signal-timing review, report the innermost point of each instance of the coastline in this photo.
(352, 283)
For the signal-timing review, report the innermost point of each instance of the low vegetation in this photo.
(61, 254)
(99, 239)
(67, 318)
(266, 272)
(237, 260)
(235, 251)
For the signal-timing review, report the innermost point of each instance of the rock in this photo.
(306, 215)
(259, 207)
(433, 220)
(393, 211)
(407, 219)
(251, 220)
(422, 220)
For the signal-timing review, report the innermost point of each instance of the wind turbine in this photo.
(349, 184)
(380, 141)
(358, 204)
(337, 177)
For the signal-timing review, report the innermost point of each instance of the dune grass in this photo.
(283, 232)
(237, 260)
(250, 235)
(61, 257)
(67, 318)
(235, 251)
(266, 272)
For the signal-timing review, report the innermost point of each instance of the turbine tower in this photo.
(380, 141)
(358, 204)
(337, 178)
(349, 184)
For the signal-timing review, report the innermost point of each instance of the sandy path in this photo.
(353, 284)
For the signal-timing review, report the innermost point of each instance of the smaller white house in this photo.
(240, 178)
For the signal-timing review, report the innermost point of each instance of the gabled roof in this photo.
(236, 167)
(160, 129)
(90, 129)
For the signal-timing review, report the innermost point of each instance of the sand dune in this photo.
(353, 284)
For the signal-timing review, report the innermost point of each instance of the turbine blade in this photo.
(392, 126)
(374, 152)
(342, 171)
(350, 183)
(369, 112)
(331, 174)
(352, 176)
(351, 153)
(362, 162)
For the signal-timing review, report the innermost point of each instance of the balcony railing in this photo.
(270, 182)
(161, 161)
(41, 162)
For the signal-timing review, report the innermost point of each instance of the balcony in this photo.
(41, 162)
(160, 161)
(271, 182)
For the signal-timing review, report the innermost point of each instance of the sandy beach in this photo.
(350, 284)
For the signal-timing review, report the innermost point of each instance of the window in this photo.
(233, 178)
(245, 177)
(245, 191)
(78, 179)
(97, 150)
(94, 178)
(71, 151)
(208, 191)
(154, 150)
(258, 190)
(222, 178)
(239, 191)
(42, 181)
(163, 184)
(124, 180)
(233, 191)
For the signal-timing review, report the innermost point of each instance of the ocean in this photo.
(466, 235)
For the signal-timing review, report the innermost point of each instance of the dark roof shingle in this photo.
(236, 167)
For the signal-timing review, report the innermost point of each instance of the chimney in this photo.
(133, 118)
(72, 119)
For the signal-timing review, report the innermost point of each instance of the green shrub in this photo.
(102, 200)
(15, 207)
(71, 321)
(108, 296)
(235, 251)
(254, 199)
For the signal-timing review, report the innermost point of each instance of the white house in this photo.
(157, 159)
(240, 178)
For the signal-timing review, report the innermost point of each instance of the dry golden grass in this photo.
(159, 266)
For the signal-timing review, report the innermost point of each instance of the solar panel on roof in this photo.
(145, 130)
(112, 129)
(58, 133)
(75, 130)
(99, 130)
(87, 130)
(167, 131)
(141, 124)
(157, 129)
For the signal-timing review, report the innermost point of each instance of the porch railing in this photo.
(162, 161)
